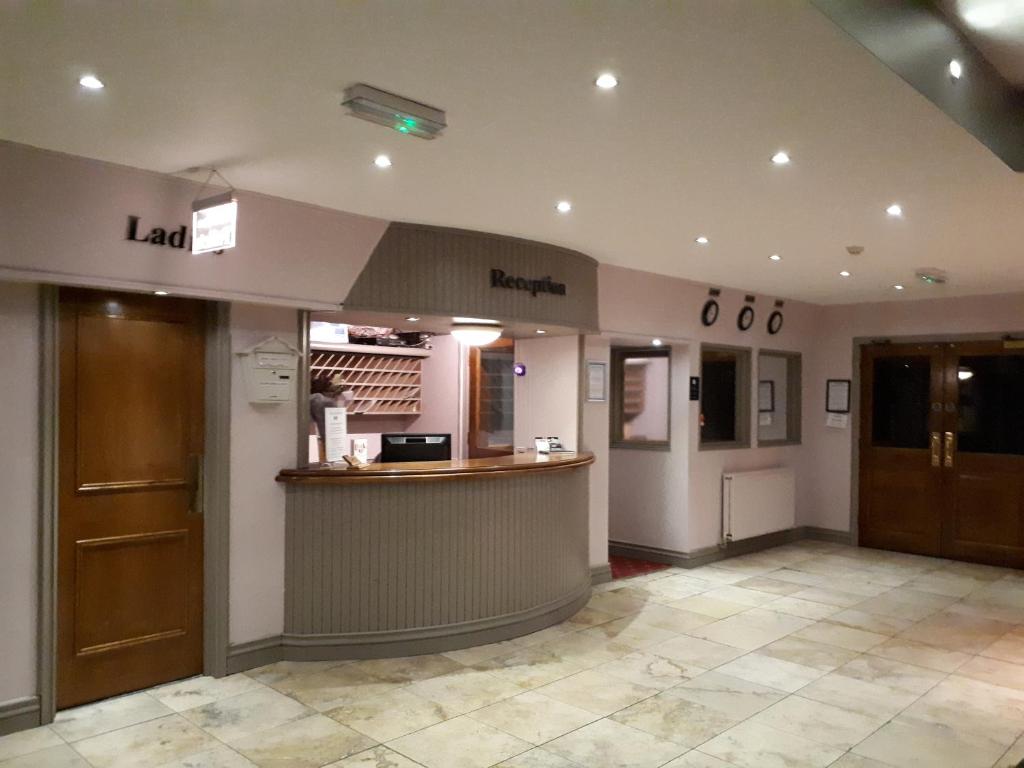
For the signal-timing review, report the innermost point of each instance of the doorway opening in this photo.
(942, 450)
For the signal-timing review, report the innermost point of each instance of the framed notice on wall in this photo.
(597, 381)
(766, 397)
(837, 395)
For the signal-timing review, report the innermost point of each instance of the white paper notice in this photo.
(597, 382)
(336, 439)
(837, 420)
(764, 419)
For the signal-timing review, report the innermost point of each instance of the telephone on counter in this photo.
(548, 445)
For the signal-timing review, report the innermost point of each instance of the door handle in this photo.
(936, 444)
(948, 461)
(197, 484)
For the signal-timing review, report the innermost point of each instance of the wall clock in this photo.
(709, 314)
(745, 318)
(774, 322)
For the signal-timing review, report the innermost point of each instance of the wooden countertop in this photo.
(455, 469)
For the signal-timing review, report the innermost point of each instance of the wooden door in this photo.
(900, 476)
(491, 399)
(942, 450)
(983, 453)
(130, 529)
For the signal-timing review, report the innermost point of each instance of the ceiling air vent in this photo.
(396, 112)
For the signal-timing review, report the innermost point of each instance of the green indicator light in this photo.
(410, 122)
(402, 129)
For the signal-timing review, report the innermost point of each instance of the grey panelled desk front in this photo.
(401, 559)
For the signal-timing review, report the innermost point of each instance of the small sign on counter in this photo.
(336, 434)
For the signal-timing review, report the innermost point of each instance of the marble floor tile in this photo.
(154, 742)
(673, 619)
(752, 745)
(897, 675)
(279, 671)
(197, 691)
(835, 726)
(635, 634)
(902, 603)
(703, 605)
(480, 653)
(694, 651)
(674, 718)
(850, 760)
(857, 695)
(609, 744)
(309, 742)
(673, 588)
(751, 598)
(378, 757)
(929, 746)
(334, 687)
(237, 717)
(590, 617)
(531, 667)
(619, 602)
(537, 758)
(650, 670)
(871, 622)
(465, 691)
(109, 715)
(1010, 647)
(994, 671)
(220, 756)
(968, 705)
(806, 609)
(751, 629)
(410, 668)
(390, 715)
(596, 692)
(841, 636)
(24, 742)
(729, 695)
(908, 651)
(956, 632)
(534, 717)
(769, 585)
(771, 671)
(946, 583)
(1013, 756)
(584, 650)
(459, 743)
(697, 759)
(713, 574)
(828, 596)
(807, 653)
(60, 756)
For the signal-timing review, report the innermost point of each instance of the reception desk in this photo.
(402, 559)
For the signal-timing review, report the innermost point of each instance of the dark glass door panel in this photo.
(991, 404)
(901, 401)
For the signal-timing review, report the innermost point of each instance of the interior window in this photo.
(778, 398)
(641, 382)
(724, 397)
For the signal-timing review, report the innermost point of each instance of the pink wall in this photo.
(65, 220)
(829, 452)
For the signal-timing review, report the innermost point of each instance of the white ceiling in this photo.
(996, 28)
(709, 90)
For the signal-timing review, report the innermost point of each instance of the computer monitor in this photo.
(402, 446)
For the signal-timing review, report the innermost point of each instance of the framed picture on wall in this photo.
(837, 395)
(766, 397)
(597, 381)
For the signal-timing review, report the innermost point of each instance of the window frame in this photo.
(618, 370)
(743, 402)
(793, 395)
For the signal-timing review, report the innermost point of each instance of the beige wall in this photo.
(547, 397)
(594, 438)
(19, 485)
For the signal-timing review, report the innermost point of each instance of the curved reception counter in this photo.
(410, 558)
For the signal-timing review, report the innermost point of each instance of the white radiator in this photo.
(758, 502)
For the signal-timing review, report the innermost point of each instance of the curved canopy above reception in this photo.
(424, 270)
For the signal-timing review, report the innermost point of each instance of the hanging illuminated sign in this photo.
(214, 223)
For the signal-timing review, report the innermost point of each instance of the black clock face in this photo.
(745, 319)
(774, 322)
(709, 314)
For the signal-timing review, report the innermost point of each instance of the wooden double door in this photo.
(942, 450)
(130, 528)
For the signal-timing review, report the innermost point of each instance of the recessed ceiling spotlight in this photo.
(656, 342)
(775, 257)
(159, 293)
(606, 81)
(541, 331)
(412, 319)
(956, 69)
(701, 240)
(898, 287)
(91, 82)
(844, 273)
(986, 16)
(564, 206)
(895, 210)
(382, 161)
(780, 158)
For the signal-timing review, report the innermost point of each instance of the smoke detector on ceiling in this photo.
(932, 276)
(855, 250)
(396, 112)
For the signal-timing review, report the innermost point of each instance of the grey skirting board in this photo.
(19, 714)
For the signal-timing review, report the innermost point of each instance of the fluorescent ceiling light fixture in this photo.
(701, 240)
(956, 69)
(159, 293)
(775, 257)
(382, 161)
(475, 334)
(91, 82)
(563, 206)
(412, 319)
(541, 331)
(214, 223)
(780, 158)
(474, 320)
(606, 81)
(396, 112)
(898, 287)
(895, 210)
(656, 342)
(844, 273)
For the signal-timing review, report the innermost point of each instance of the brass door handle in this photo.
(948, 461)
(936, 449)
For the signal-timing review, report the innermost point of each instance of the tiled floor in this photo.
(802, 656)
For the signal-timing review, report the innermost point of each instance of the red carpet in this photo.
(625, 567)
